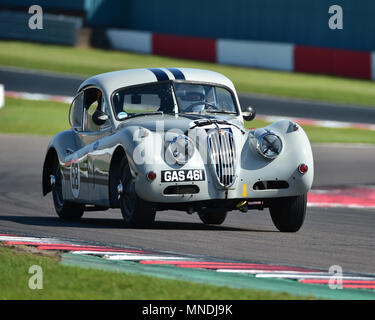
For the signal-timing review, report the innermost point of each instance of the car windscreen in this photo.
(202, 98)
(144, 98)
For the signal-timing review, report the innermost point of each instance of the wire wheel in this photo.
(135, 211)
(65, 210)
(57, 188)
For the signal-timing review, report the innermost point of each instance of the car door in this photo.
(75, 162)
(92, 136)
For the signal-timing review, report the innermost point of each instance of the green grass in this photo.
(48, 118)
(66, 282)
(88, 62)
(334, 135)
(33, 117)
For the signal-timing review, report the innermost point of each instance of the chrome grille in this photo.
(223, 156)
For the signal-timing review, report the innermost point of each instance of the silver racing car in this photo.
(145, 140)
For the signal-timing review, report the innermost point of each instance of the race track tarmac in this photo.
(335, 236)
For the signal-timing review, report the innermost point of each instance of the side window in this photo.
(76, 112)
(93, 101)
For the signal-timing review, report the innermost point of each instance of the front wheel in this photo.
(212, 215)
(135, 211)
(288, 214)
(65, 210)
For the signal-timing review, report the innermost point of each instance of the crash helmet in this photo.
(189, 97)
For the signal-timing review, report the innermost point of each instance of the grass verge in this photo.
(66, 282)
(48, 118)
(33, 117)
(88, 62)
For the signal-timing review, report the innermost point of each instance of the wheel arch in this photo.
(49, 161)
(114, 175)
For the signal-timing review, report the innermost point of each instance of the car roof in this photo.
(112, 81)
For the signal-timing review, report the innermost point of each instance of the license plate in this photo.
(182, 175)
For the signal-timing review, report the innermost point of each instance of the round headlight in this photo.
(180, 150)
(269, 145)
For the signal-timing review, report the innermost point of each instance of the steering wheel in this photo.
(210, 106)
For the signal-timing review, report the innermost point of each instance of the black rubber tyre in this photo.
(135, 211)
(65, 210)
(212, 215)
(288, 214)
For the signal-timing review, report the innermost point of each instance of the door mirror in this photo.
(99, 117)
(249, 114)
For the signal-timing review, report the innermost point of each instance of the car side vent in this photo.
(185, 189)
(271, 185)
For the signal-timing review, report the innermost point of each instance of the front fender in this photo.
(296, 150)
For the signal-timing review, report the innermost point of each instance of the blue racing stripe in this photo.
(160, 74)
(177, 73)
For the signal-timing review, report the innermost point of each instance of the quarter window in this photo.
(76, 112)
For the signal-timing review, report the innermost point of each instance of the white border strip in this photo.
(29, 239)
(110, 255)
(305, 277)
(139, 257)
(38, 96)
(130, 40)
(269, 55)
(255, 271)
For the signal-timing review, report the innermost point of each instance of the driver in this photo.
(190, 96)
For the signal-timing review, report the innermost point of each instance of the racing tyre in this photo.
(212, 215)
(288, 214)
(65, 210)
(135, 211)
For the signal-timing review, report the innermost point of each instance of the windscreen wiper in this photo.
(219, 111)
(215, 121)
(132, 115)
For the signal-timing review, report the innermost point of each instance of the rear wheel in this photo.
(135, 211)
(65, 210)
(288, 214)
(212, 215)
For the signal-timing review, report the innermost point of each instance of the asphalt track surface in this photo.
(16, 79)
(335, 236)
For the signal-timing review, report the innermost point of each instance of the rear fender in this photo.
(61, 146)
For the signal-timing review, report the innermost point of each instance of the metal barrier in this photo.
(56, 29)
